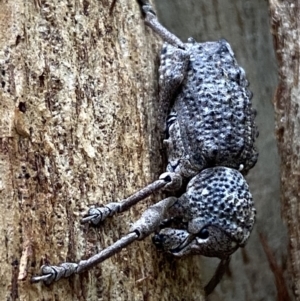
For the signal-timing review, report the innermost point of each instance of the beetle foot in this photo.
(53, 273)
(96, 215)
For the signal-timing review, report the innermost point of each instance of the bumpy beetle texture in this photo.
(223, 198)
(211, 122)
(218, 200)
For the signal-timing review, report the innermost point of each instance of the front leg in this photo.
(147, 224)
(168, 181)
(51, 273)
(152, 218)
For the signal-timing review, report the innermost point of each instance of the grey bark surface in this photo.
(78, 127)
(257, 272)
(286, 34)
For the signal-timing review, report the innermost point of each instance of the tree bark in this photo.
(286, 33)
(78, 127)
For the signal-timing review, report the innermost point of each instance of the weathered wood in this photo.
(286, 34)
(78, 126)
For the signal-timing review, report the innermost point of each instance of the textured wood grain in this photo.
(286, 34)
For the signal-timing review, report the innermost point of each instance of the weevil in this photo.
(210, 136)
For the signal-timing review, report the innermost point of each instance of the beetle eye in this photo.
(203, 234)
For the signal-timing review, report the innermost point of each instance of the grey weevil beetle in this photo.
(210, 135)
